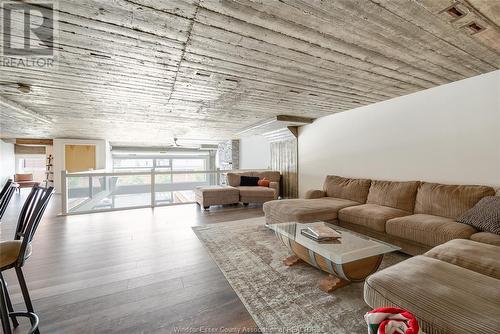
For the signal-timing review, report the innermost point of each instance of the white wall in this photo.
(7, 162)
(102, 155)
(448, 134)
(255, 152)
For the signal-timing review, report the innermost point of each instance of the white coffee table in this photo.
(350, 259)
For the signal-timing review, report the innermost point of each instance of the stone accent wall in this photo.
(235, 153)
(229, 155)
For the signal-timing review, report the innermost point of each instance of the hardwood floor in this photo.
(136, 271)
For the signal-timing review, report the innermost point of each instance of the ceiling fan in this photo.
(201, 146)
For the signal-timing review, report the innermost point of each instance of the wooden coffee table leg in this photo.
(332, 283)
(292, 260)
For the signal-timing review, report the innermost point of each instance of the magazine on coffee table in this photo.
(320, 233)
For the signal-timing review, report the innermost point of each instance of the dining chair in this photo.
(13, 254)
(8, 190)
(5, 314)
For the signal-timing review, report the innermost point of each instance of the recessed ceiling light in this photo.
(475, 28)
(455, 12)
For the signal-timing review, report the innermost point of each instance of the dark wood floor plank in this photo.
(137, 271)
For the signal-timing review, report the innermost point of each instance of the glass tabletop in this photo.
(351, 246)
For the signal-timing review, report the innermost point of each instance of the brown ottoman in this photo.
(216, 195)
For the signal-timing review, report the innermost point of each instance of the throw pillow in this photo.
(484, 216)
(249, 181)
(264, 182)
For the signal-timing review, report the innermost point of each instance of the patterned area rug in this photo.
(282, 299)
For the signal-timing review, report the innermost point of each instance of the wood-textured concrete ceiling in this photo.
(144, 71)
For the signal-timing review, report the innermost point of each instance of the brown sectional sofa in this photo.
(413, 215)
(452, 289)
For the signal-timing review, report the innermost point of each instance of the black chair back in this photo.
(7, 191)
(30, 217)
(5, 187)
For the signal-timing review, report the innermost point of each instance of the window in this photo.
(132, 163)
(189, 164)
(33, 164)
(183, 161)
(163, 163)
(29, 165)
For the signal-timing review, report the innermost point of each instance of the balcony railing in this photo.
(89, 192)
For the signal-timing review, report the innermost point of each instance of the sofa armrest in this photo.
(312, 194)
(276, 187)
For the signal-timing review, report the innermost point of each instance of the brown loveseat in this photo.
(413, 215)
(256, 194)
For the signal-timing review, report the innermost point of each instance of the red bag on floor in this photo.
(391, 320)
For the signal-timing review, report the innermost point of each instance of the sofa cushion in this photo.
(306, 210)
(352, 189)
(372, 216)
(468, 254)
(398, 195)
(264, 183)
(448, 200)
(249, 181)
(9, 252)
(273, 176)
(445, 298)
(233, 179)
(428, 229)
(257, 191)
(484, 216)
(487, 238)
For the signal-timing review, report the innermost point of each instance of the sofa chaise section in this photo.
(305, 210)
(454, 288)
(338, 193)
